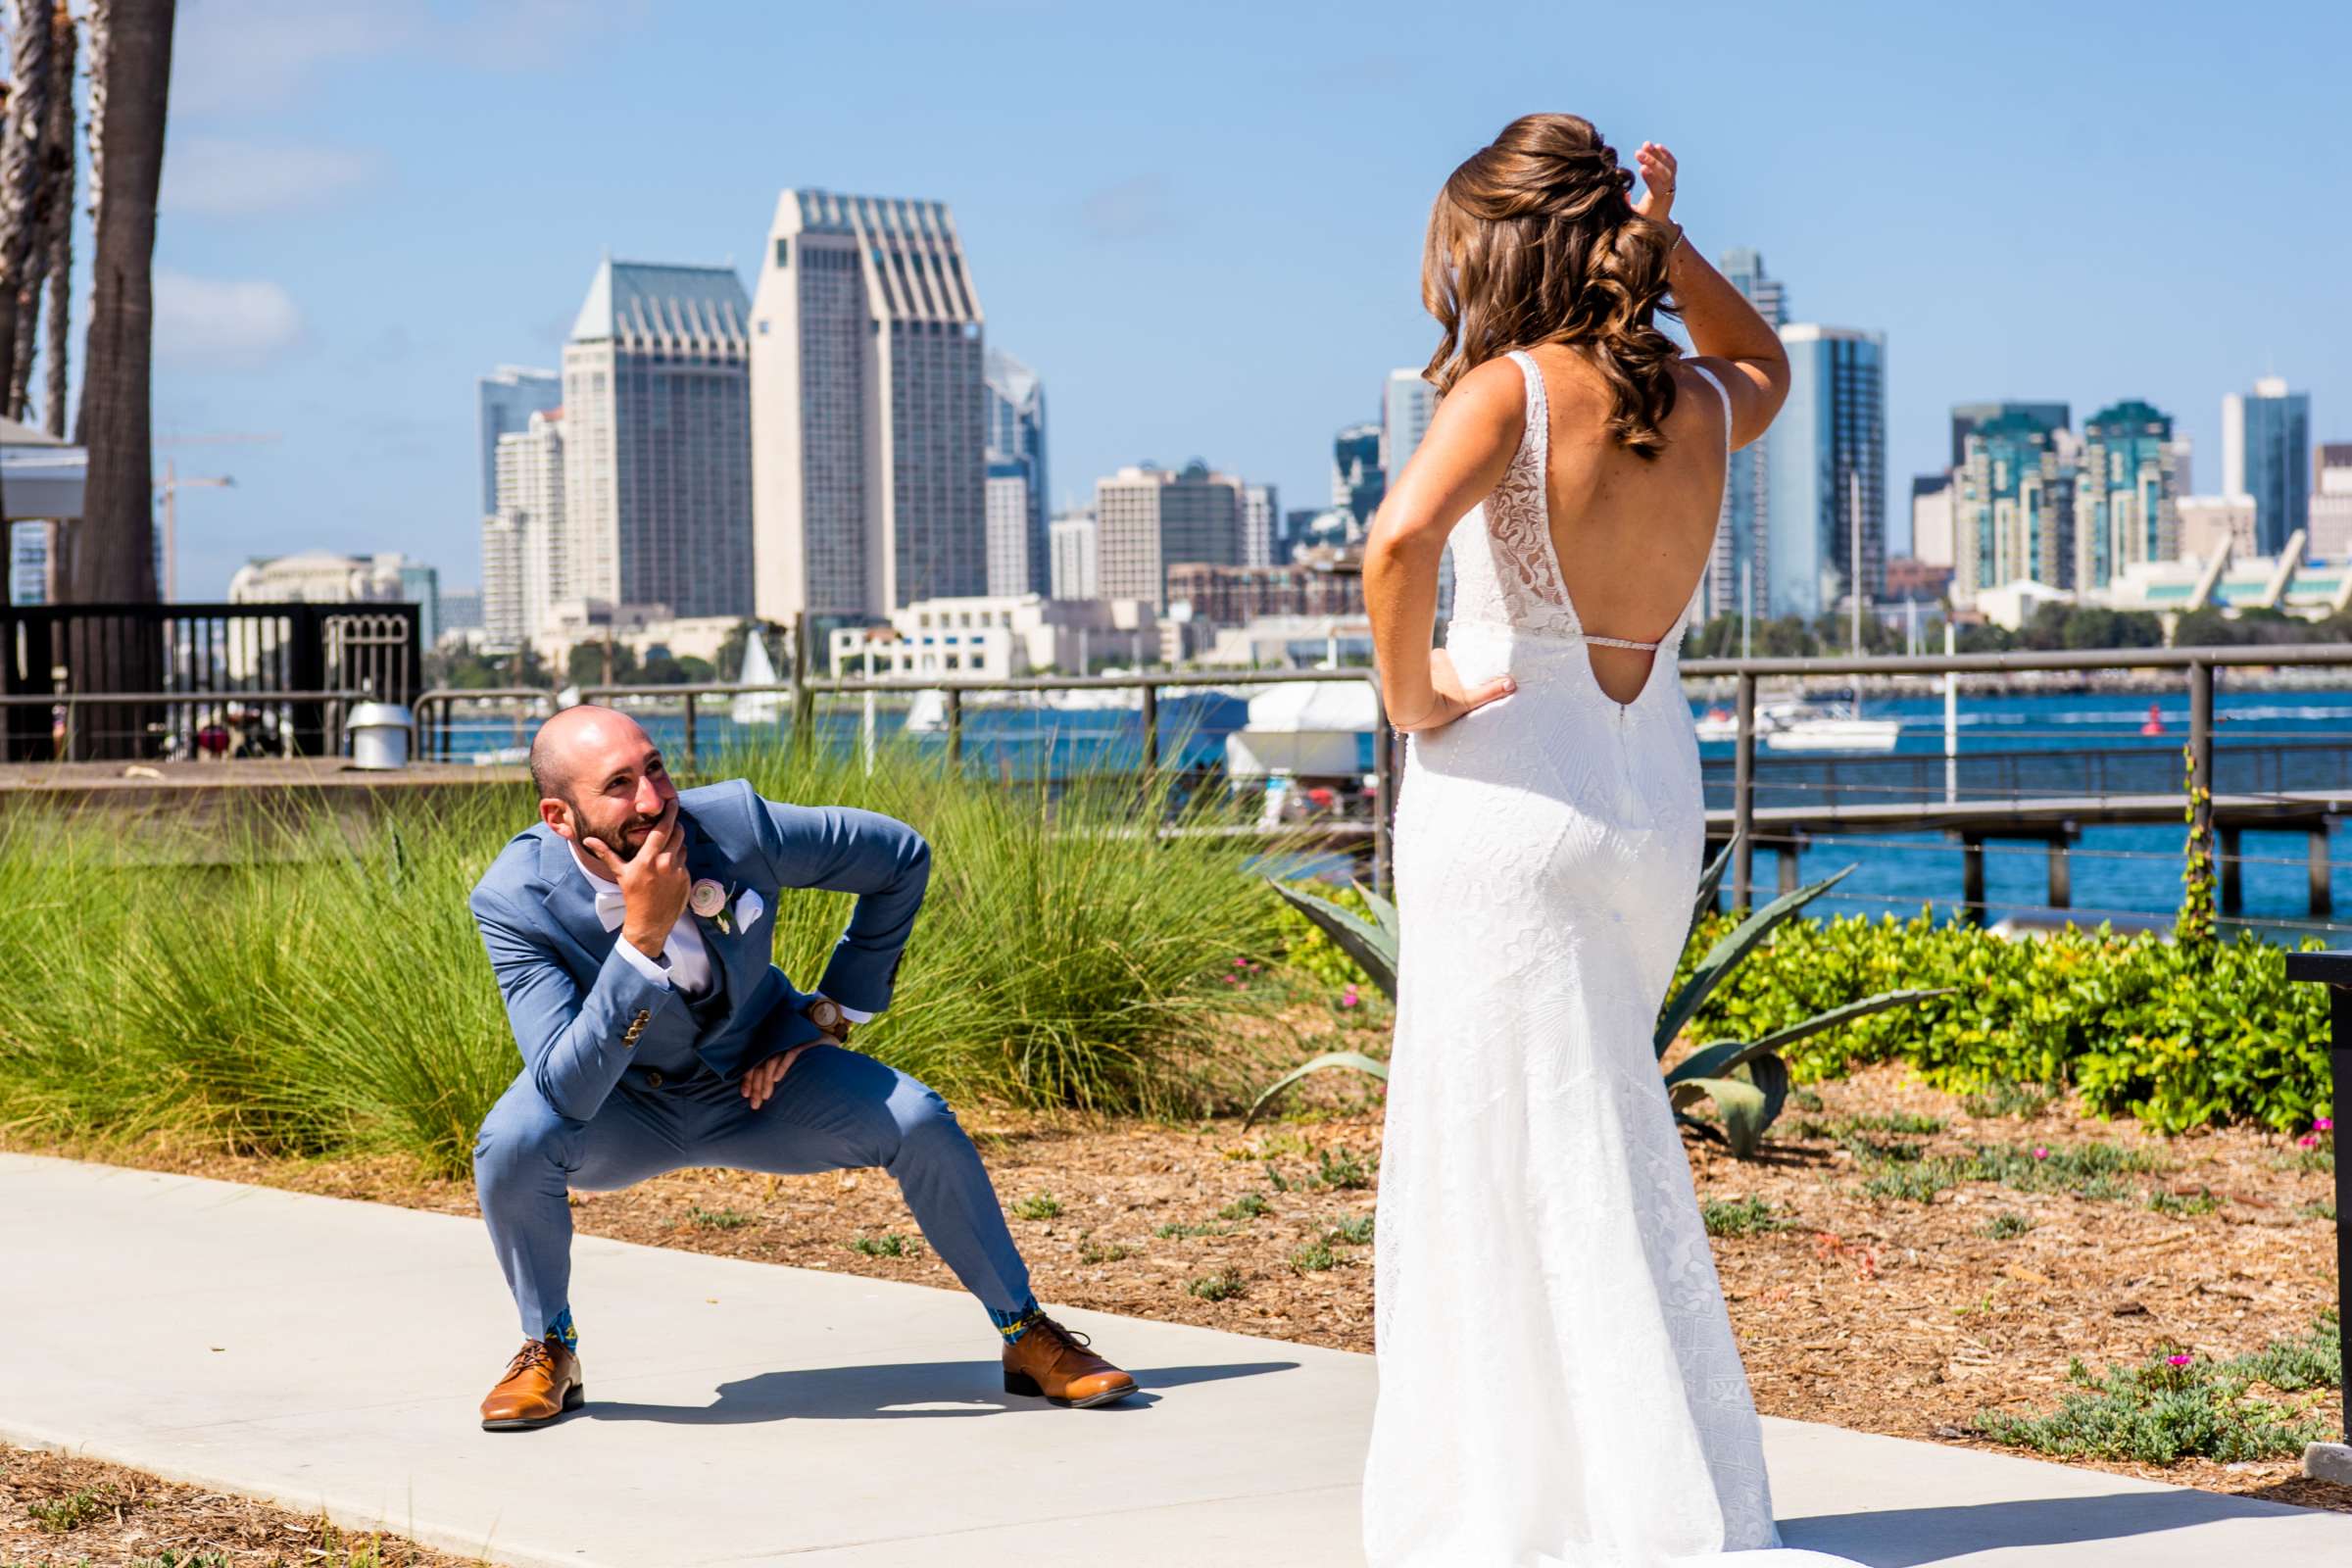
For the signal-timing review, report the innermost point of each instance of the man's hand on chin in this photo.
(761, 1082)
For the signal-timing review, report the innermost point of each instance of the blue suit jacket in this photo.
(583, 1015)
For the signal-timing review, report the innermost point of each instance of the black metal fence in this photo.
(196, 680)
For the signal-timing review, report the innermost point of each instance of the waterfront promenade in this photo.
(327, 1355)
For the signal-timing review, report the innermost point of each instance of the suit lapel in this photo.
(704, 859)
(570, 900)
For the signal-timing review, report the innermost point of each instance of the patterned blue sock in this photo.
(561, 1329)
(1012, 1325)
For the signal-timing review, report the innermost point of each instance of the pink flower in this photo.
(1348, 998)
(2309, 1141)
(2323, 1124)
(1241, 963)
(2042, 1154)
(2180, 1361)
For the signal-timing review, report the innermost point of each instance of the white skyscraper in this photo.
(868, 449)
(1405, 406)
(524, 540)
(1261, 519)
(1008, 513)
(657, 441)
(1075, 562)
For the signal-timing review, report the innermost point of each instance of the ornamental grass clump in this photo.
(303, 982)
(2178, 1405)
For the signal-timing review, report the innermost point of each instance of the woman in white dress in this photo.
(1558, 1382)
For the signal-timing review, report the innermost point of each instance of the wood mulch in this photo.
(1878, 1314)
(60, 1510)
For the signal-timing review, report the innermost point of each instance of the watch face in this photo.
(824, 1014)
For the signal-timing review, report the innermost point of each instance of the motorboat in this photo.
(1808, 726)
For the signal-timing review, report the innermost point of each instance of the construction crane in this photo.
(169, 486)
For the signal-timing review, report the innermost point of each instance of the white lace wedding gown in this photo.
(1558, 1383)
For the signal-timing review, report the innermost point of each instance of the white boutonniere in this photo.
(708, 902)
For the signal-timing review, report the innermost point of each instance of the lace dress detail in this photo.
(1558, 1381)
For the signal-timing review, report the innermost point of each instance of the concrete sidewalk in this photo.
(329, 1354)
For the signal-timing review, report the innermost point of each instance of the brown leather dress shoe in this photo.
(540, 1384)
(1054, 1362)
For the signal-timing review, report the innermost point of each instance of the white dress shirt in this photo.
(685, 960)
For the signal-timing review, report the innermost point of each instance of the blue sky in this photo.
(1202, 225)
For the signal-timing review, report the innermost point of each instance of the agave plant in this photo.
(1372, 944)
(1747, 1079)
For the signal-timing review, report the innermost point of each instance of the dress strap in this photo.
(1536, 440)
(1726, 396)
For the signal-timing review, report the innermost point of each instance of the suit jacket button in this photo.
(652, 1080)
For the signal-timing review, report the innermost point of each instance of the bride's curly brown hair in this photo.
(1533, 240)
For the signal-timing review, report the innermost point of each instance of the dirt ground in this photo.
(1879, 1313)
(61, 1511)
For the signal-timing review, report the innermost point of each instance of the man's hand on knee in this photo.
(761, 1082)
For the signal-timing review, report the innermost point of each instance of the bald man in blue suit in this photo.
(630, 930)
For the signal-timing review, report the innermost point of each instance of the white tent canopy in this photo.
(1306, 727)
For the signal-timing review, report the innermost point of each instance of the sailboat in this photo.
(757, 707)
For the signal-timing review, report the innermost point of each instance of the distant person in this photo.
(1558, 1382)
(630, 930)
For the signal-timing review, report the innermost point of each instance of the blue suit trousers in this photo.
(834, 1110)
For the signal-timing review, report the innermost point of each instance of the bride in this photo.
(1558, 1383)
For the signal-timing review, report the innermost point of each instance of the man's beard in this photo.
(618, 841)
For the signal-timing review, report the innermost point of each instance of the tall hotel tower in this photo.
(868, 450)
(656, 461)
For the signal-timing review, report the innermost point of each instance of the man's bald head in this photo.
(600, 776)
(576, 739)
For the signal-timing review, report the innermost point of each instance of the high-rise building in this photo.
(657, 441)
(1743, 530)
(1261, 524)
(2265, 453)
(1931, 519)
(2331, 503)
(1076, 573)
(1009, 506)
(2209, 522)
(524, 540)
(1358, 483)
(2013, 506)
(1970, 417)
(1013, 426)
(870, 465)
(1826, 474)
(507, 398)
(2125, 494)
(1407, 403)
(1153, 518)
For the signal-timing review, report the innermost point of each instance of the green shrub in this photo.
(2178, 1037)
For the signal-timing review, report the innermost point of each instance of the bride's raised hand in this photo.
(1452, 699)
(1657, 182)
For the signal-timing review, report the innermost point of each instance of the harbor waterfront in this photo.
(2284, 733)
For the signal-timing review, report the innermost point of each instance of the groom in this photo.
(630, 933)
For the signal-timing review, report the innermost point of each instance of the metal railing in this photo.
(293, 720)
(1998, 813)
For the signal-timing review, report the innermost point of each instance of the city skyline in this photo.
(279, 268)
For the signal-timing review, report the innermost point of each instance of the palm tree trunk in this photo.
(61, 220)
(131, 43)
(20, 168)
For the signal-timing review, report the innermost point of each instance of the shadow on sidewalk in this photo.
(894, 1391)
(1905, 1537)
